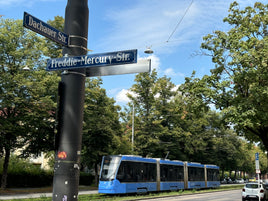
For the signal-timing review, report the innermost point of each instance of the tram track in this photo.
(160, 195)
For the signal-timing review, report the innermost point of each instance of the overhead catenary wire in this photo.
(180, 21)
(172, 33)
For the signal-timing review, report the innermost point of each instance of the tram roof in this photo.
(212, 166)
(191, 164)
(168, 162)
(137, 158)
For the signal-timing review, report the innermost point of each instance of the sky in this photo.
(116, 25)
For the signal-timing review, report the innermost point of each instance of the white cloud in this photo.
(121, 96)
(175, 88)
(155, 62)
(170, 72)
(143, 24)
(150, 23)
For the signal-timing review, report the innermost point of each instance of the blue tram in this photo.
(212, 176)
(134, 174)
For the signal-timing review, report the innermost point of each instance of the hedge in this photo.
(23, 179)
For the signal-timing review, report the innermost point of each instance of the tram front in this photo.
(107, 182)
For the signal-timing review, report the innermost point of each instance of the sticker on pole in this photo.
(62, 155)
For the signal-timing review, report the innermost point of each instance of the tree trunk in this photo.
(5, 168)
(222, 173)
(264, 138)
(96, 174)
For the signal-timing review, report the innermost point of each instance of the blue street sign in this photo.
(44, 29)
(256, 156)
(257, 163)
(93, 60)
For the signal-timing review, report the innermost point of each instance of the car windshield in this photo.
(252, 185)
(109, 167)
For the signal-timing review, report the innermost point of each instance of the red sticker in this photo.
(62, 155)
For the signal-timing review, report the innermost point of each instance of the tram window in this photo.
(171, 173)
(196, 174)
(109, 167)
(136, 172)
(213, 174)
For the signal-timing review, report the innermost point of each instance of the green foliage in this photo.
(102, 133)
(146, 138)
(22, 173)
(180, 123)
(19, 165)
(28, 98)
(238, 83)
(52, 49)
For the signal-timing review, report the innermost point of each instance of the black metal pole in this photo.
(71, 104)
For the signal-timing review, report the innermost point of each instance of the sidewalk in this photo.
(38, 195)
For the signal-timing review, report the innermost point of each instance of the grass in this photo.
(13, 191)
(101, 197)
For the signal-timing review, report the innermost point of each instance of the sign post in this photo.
(77, 65)
(71, 106)
(257, 164)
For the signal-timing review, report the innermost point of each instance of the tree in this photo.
(239, 81)
(52, 49)
(182, 124)
(165, 91)
(28, 99)
(146, 138)
(102, 133)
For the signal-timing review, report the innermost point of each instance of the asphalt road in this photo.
(234, 195)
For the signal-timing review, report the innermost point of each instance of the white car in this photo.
(239, 181)
(251, 191)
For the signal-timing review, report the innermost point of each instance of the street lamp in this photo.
(148, 51)
(26, 68)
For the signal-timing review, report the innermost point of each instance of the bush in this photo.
(29, 180)
(86, 179)
(21, 173)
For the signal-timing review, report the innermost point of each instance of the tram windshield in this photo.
(109, 167)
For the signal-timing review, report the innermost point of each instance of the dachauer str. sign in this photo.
(44, 29)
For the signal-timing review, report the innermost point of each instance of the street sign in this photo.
(93, 60)
(257, 156)
(142, 66)
(257, 162)
(258, 171)
(44, 29)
